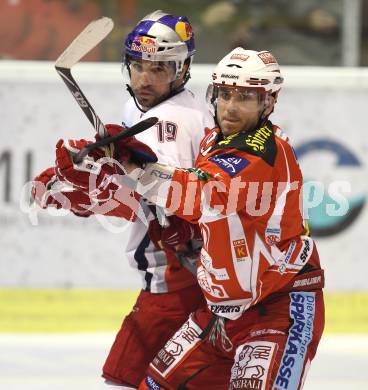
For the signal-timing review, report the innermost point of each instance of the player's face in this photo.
(150, 81)
(238, 109)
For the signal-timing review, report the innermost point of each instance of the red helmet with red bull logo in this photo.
(161, 37)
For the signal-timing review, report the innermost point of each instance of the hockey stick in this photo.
(93, 34)
(137, 128)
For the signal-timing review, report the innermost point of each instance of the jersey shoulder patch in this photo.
(230, 163)
(259, 142)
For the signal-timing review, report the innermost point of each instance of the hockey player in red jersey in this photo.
(157, 57)
(259, 271)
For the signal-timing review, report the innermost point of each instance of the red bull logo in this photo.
(184, 30)
(144, 45)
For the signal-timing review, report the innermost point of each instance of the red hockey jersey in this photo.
(246, 194)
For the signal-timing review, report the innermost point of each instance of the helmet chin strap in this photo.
(263, 119)
(129, 89)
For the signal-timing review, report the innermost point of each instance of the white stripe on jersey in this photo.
(242, 265)
(274, 223)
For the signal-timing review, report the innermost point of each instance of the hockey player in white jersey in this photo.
(158, 54)
(157, 57)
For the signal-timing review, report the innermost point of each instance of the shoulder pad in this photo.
(260, 142)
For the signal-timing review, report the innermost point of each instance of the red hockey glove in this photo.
(48, 191)
(176, 235)
(130, 149)
(112, 200)
(90, 172)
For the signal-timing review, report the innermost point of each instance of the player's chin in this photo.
(230, 127)
(147, 100)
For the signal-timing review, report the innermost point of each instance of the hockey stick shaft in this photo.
(91, 36)
(137, 128)
(83, 102)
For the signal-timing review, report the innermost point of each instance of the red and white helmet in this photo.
(249, 69)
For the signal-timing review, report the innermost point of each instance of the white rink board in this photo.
(317, 107)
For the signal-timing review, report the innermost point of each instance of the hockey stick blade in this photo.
(137, 128)
(92, 35)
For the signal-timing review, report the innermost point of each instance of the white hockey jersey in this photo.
(175, 139)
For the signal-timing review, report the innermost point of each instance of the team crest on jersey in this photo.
(259, 142)
(230, 163)
(272, 235)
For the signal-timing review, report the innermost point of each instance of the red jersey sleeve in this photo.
(219, 184)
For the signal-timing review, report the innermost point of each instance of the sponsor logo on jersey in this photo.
(289, 253)
(228, 139)
(302, 309)
(240, 249)
(257, 141)
(263, 332)
(241, 57)
(151, 384)
(230, 163)
(267, 58)
(251, 365)
(181, 343)
(144, 45)
(225, 309)
(305, 252)
(160, 174)
(308, 282)
(229, 76)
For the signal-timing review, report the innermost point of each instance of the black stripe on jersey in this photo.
(141, 259)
